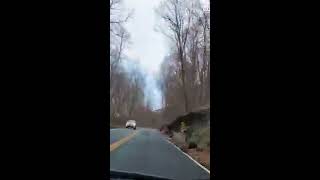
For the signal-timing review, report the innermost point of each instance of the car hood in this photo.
(134, 175)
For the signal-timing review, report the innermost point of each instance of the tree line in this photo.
(185, 72)
(126, 86)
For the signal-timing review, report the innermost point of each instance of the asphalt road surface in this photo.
(117, 134)
(149, 152)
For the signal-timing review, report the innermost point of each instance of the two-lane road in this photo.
(148, 152)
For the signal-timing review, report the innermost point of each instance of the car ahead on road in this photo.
(131, 124)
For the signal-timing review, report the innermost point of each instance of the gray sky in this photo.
(147, 46)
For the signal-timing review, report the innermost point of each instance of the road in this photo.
(147, 151)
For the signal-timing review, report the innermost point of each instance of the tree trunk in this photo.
(186, 105)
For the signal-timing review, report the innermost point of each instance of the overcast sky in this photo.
(147, 46)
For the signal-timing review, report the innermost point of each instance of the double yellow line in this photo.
(115, 145)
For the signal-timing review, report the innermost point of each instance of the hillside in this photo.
(191, 133)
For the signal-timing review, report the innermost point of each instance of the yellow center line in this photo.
(115, 145)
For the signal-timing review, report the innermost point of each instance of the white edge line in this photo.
(189, 157)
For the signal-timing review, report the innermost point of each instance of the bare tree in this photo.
(116, 15)
(174, 13)
(119, 39)
(117, 51)
(187, 68)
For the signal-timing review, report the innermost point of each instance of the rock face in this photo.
(197, 118)
(195, 127)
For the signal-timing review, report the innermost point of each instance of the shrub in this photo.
(200, 137)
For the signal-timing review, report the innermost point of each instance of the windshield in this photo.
(160, 89)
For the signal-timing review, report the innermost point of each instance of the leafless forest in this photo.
(184, 77)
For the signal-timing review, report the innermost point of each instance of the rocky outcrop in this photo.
(197, 118)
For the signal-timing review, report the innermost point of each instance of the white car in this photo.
(131, 124)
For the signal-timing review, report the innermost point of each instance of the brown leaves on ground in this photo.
(199, 154)
(203, 156)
